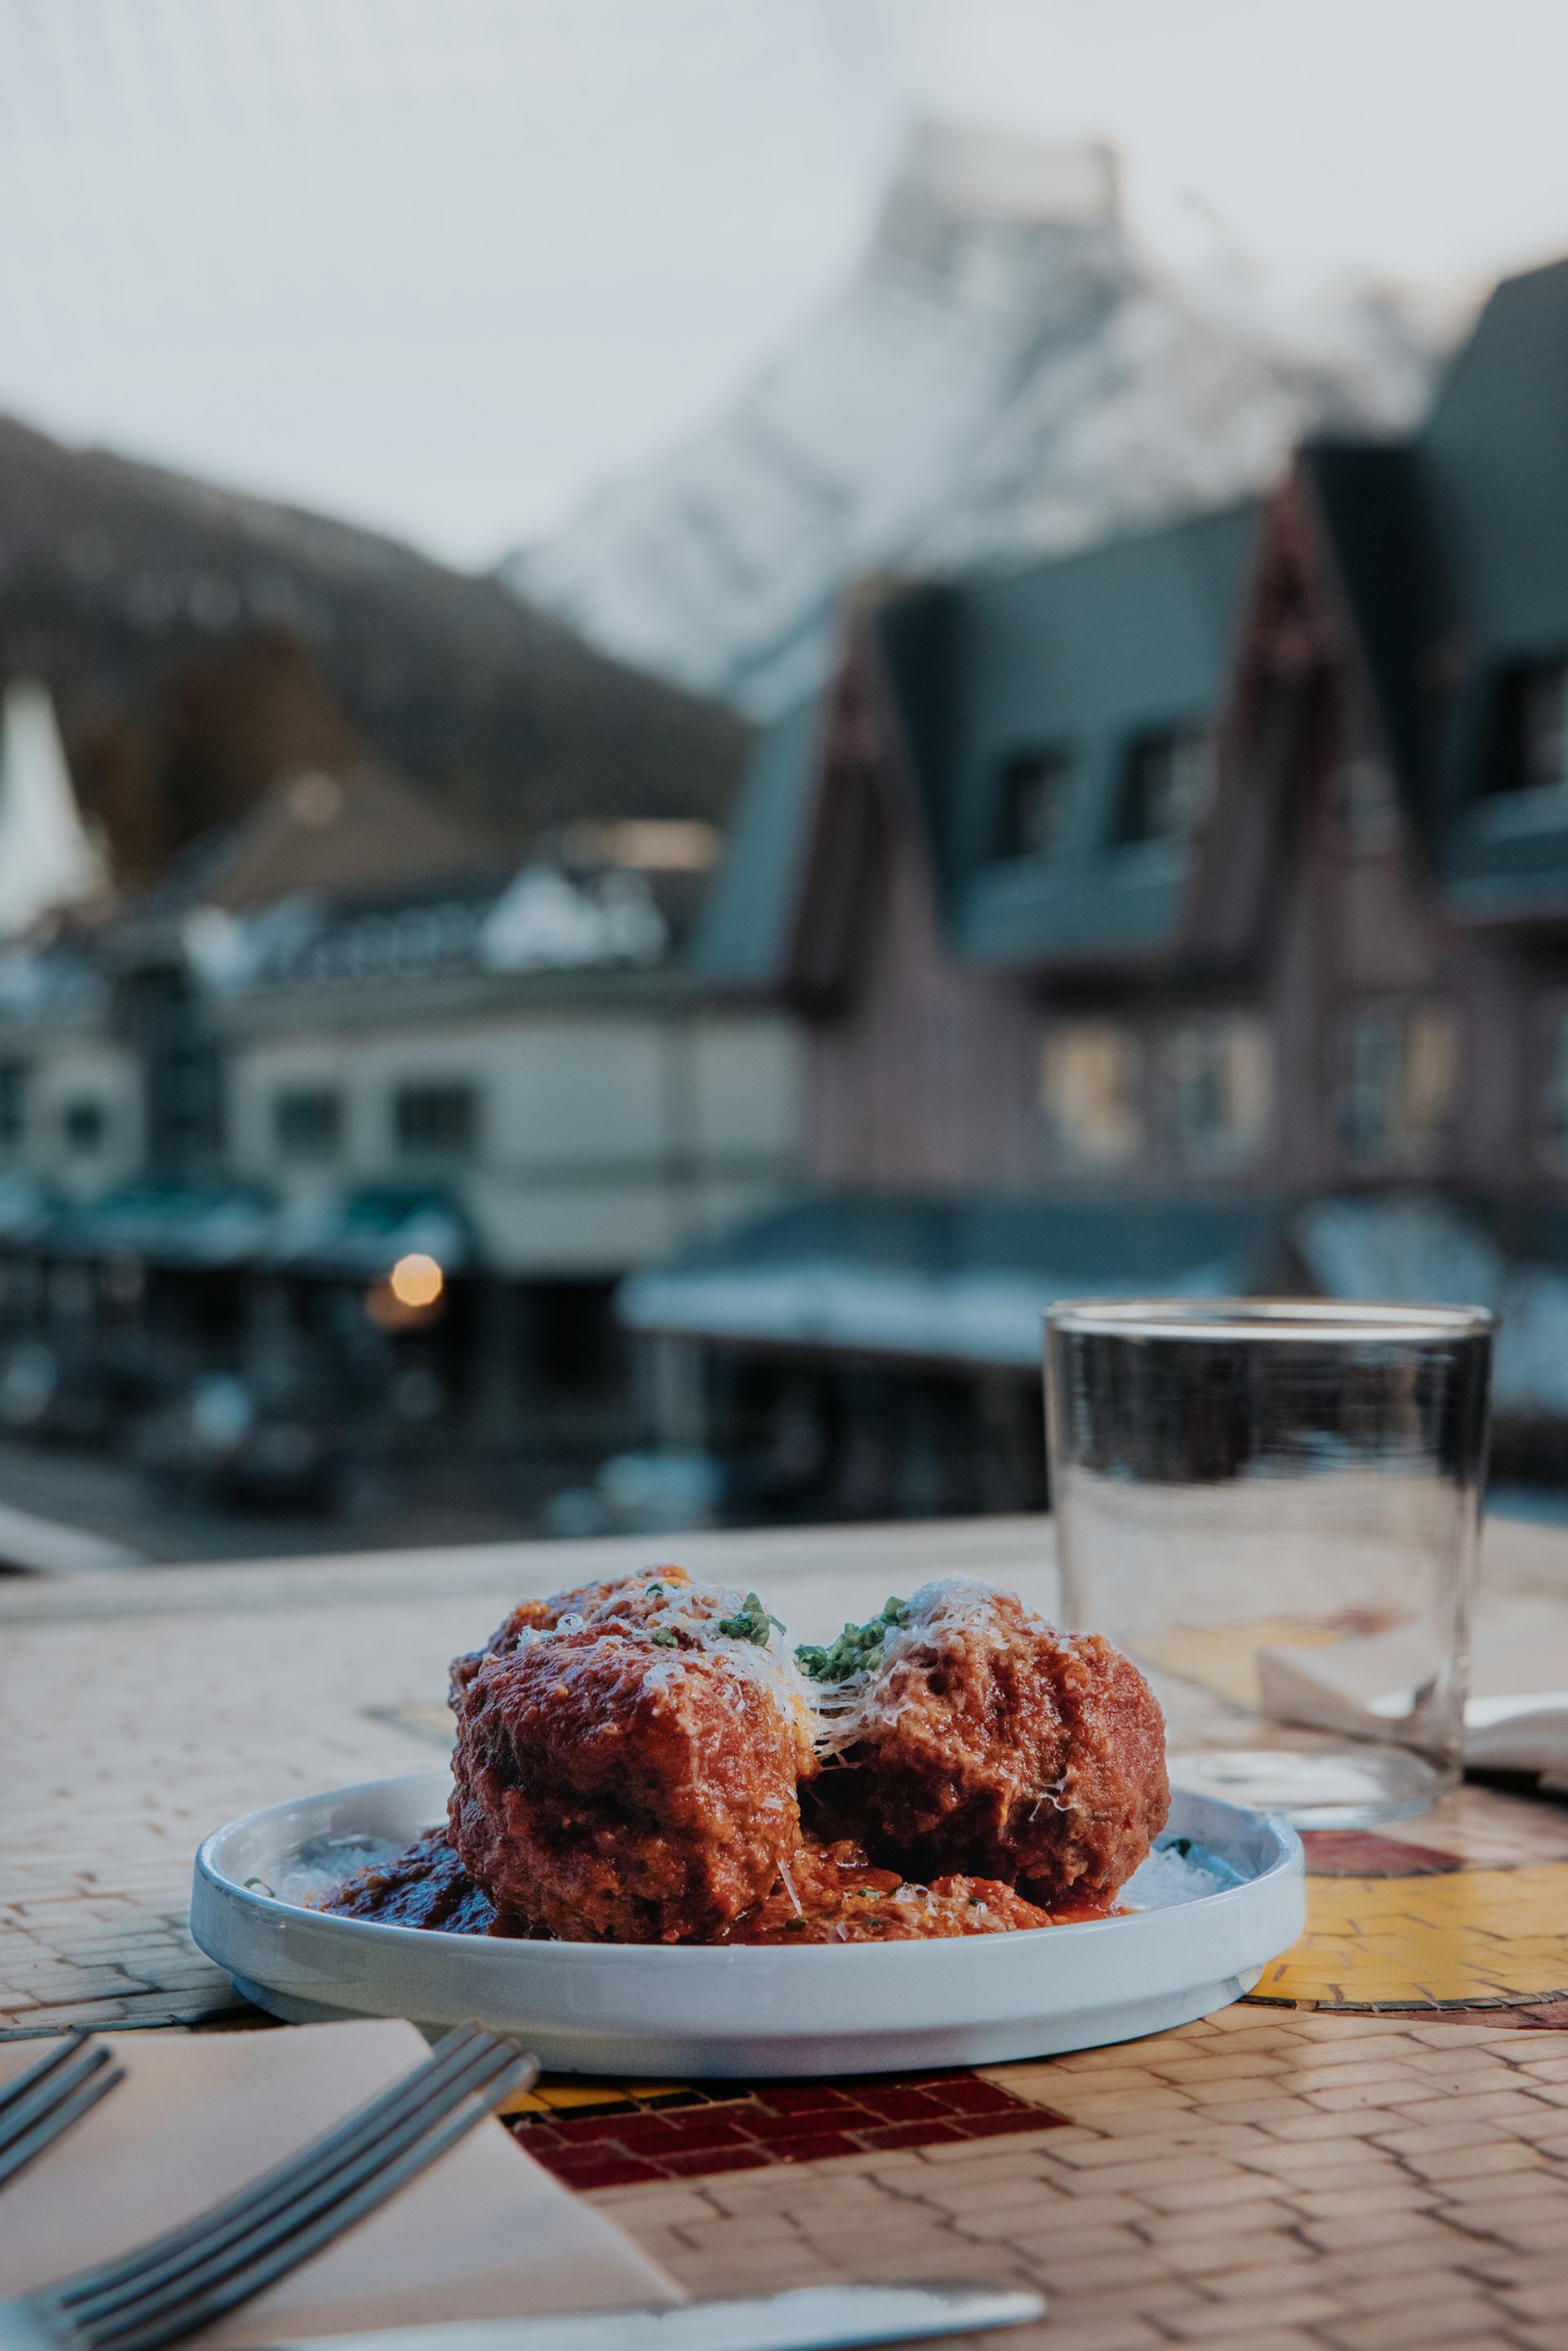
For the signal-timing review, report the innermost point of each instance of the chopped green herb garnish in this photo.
(667, 1639)
(751, 1624)
(262, 1884)
(658, 1588)
(855, 1648)
(794, 1926)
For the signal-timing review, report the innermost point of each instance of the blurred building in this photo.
(1186, 915)
(340, 1139)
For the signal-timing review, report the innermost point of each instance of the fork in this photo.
(37, 2105)
(186, 2279)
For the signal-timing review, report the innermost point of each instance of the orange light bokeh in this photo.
(416, 1280)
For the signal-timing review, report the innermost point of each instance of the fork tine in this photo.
(111, 2312)
(51, 2083)
(65, 2047)
(319, 2175)
(271, 2263)
(454, 2050)
(94, 2086)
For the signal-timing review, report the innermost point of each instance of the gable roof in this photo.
(744, 936)
(355, 833)
(1452, 550)
(1370, 504)
(1449, 555)
(1085, 655)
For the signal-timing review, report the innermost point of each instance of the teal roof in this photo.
(742, 940)
(1086, 656)
(1453, 550)
(205, 1225)
(948, 1279)
(1371, 502)
(344, 1236)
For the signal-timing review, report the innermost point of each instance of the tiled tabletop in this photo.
(1374, 2153)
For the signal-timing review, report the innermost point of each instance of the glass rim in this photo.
(1349, 1321)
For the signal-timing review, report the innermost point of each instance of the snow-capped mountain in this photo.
(1006, 374)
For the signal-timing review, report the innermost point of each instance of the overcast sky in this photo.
(444, 265)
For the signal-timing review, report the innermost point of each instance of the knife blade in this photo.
(810, 2318)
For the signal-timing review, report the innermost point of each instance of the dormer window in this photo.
(1529, 752)
(1168, 779)
(1037, 790)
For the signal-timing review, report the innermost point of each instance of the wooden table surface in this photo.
(1371, 2152)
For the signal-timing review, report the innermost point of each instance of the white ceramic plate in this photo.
(654, 2009)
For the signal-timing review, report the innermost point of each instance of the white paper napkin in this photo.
(1517, 1716)
(486, 2234)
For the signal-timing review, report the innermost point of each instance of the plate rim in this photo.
(1289, 1862)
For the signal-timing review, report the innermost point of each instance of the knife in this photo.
(812, 2318)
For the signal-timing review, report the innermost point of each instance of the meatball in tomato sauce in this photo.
(978, 1739)
(618, 1783)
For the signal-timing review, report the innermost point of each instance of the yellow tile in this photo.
(1477, 1933)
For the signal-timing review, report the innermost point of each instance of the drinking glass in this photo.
(1273, 1505)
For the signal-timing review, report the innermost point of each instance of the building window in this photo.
(435, 1120)
(1218, 1083)
(1091, 1087)
(308, 1122)
(1166, 785)
(1401, 1082)
(1037, 793)
(83, 1125)
(13, 1104)
(1531, 746)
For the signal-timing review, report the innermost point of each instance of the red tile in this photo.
(998, 2126)
(583, 2130)
(898, 2103)
(712, 2128)
(1362, 1853)
(890, 2134)
(800, 2097)
(974, 2097)
(711, 2159)
(587, 2171)
(817, 2150)
(643, 2134)
(777, 2129)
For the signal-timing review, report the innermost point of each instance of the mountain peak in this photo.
(1005, 374)
(990, 176)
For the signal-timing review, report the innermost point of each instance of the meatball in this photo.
(978, 1739)
(587, 1601)
(652, 1597)
(621, 1784)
